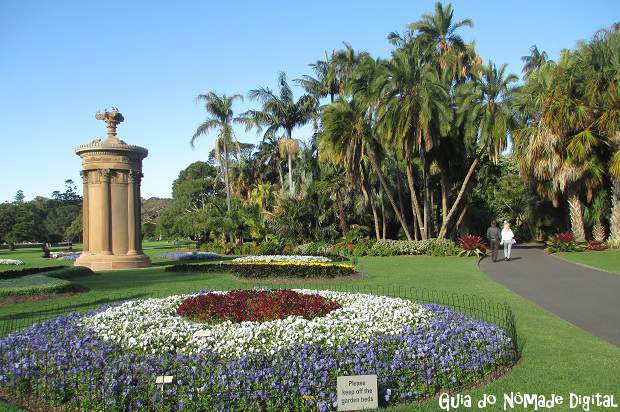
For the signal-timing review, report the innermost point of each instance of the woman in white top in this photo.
(508, 238)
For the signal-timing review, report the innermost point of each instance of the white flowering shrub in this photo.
(283, 258)
(12, 262)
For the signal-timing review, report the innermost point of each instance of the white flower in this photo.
(282, 258)
(154, 326)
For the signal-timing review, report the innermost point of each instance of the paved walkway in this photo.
(587, 298)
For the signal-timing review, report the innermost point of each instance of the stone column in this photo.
(131, 213)
(106, 246)
(138, 212)
(85, 217)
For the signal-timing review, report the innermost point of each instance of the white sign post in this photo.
(356, 393)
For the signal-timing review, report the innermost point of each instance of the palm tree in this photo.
(280, 111)
(440, 31)
(220, 117)
(347, 137)
(413, 116)
(485, 110)
(326, 81)
(534, 60)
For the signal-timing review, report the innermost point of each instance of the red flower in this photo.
(254, 305)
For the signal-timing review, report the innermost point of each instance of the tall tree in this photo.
(534, 60)
(280, 112)
(485, 109)
(220, 117)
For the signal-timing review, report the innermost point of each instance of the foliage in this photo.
(594, 245)
(272, 269)
(472, 245)
(17, 273)
(563, 242)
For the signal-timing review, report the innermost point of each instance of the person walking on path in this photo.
(508, 239)
(494, 236)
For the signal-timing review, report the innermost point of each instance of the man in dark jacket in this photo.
(494, 235)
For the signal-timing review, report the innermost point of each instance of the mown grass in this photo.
(607, 260)
(557, 356)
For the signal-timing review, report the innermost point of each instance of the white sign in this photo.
(356, 393)
(162, 380)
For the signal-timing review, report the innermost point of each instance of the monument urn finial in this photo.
(111, 118)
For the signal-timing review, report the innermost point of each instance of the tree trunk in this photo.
(415, 206)
(461, 217)
(399, 191)
(383, 219)
(444, 194)
(384, 185)
(281, 177)
(341, 218)
(457, 201)
(290, 173)
(576, 218)
(426, 200)
(226, 179)
(614, 220)
(367, 193)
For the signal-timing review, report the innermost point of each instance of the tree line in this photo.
(430, 142)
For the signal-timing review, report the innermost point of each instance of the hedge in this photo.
(33, 284)
(272, 269)
(59, 272)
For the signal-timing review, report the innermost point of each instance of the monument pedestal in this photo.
(111, 211)
(112, 262)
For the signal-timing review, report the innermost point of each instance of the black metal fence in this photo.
(95, 392)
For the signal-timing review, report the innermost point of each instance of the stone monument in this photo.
(111, 171)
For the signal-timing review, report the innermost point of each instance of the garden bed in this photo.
(109, 358)
(261, 270)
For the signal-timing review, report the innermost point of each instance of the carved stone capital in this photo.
(105, 175)
(135, 176)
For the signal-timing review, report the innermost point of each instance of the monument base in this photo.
(112, 262)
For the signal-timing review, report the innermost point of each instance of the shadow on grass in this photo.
(77, 307)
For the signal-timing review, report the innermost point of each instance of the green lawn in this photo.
(607, 260)
(557, 356)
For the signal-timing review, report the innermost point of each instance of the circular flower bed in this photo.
(254, 306)
(109, 358)
(283, 258)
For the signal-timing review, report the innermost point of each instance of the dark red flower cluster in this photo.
(564, 237)
(470, 243)
(254, 305)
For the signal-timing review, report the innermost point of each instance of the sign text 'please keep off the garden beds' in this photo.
(357, 392)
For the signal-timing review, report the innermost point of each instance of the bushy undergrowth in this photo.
(431, 247)
(563, 242)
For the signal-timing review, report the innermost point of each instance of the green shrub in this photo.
(432, 247)
(442, 247)
(563, 242)
(33, 284)
(266, 270)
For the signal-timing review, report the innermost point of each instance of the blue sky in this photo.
(61, 61)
